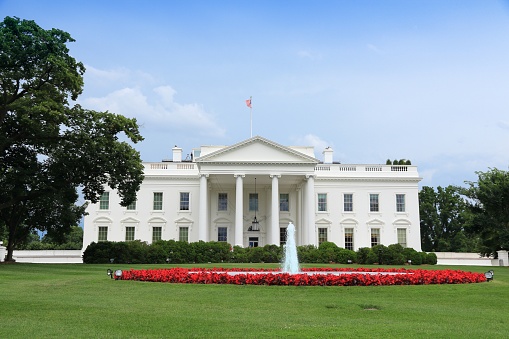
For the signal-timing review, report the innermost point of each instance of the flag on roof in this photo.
(248, 102)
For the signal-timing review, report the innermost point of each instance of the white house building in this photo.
(246, 194)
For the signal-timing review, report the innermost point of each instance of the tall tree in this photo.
(443, 216)
(48, 148)
(488, 199)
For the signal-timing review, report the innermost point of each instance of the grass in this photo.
(80, 301)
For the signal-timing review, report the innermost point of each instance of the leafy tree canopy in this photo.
(488, 199)
(49, 148)
(444, 217)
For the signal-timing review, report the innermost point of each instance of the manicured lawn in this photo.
(81, 301)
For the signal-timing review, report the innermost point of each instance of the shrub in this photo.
(344, 255)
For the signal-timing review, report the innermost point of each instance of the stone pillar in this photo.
(310, 210)
(274, 228)
(299, 217)
(3, 252)
(503, 258)
(239, 211)
(203, 220)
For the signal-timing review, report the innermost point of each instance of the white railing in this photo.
(169, 166)
(335, 168)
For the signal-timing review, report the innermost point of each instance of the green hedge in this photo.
(179, 252)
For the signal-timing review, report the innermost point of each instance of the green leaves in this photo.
(48, 149)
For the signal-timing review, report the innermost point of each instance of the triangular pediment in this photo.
(257, 150)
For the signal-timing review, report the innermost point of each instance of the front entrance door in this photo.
(253, 241)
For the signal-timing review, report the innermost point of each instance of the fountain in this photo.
(290, 262)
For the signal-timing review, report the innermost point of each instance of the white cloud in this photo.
(157, 110)
(315, 141)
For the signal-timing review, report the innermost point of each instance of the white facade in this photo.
(212, 197)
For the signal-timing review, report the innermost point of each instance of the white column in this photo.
(310, 210)
(239, 211)
(203, 220)
(299, 218)
(274, 228)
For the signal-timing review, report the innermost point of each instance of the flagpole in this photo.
(251, 113)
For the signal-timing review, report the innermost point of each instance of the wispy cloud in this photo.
(375, 49)
(309, 55)
(503, 125)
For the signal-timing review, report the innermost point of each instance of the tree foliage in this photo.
(48, 148)
(444, 216)
(488, 200)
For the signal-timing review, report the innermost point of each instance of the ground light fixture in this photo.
(110, 273)
(489, 275)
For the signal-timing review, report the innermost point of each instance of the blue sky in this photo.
(421, 80)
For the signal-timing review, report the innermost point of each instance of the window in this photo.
(132, 206)
(158, 201)
(104, 201)
(349, 239)
(184, 201)
(373, 203)
(402, 237)
(322, 235)
(284, 202)
(103, 233)
(222, 234)
(157, 233)
(322, 202)
(184, 234)
(222, 202)
(375, 237)
(253, 201)
(400, 203)
(129, 233)
(253, 241)
(348, 202)
(282, 236)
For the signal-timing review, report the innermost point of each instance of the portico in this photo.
(235, 169)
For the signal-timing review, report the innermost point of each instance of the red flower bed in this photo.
(348, 276)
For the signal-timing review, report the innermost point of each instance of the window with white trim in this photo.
(253, 202)
(402, 237)
(400, 203)
(222, 234)
(184, 201)
(222, 201)
(104, 201)
(374, 203)
(131, 206)
(158, 201)
(375, 237)
(284, 202)
(282, 236)
(102, 233)
(322, 202)
(129, 233)
(184, 234)
(157, 233)
(348, 202)
(349, 238)
(322, 235)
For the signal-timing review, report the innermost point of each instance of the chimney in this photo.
(177, 154)
(327, 155)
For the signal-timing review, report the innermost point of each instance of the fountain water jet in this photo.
(290, 262)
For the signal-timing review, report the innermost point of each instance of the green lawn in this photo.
(40, 301)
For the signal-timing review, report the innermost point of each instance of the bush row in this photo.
(178, 252)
